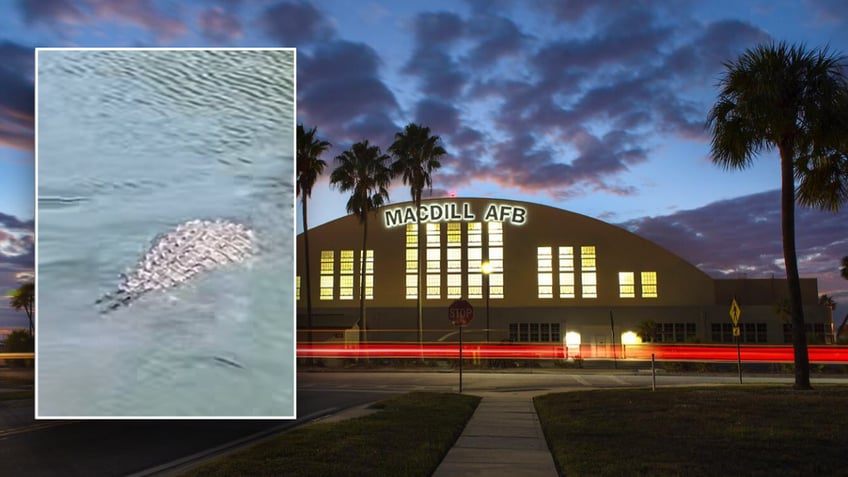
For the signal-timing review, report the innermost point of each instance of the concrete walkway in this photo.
(503, 438)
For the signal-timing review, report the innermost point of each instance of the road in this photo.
(107, 448)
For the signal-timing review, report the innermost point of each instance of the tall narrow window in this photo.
(434, 261)
(369, 274)
(496, 259)
(454, 234)
(544, 267)
(411, 261)
(454, 263)
(588, 269)
(346, 275)
(566, 272)
(475, 259)
(327, 269)
(626, 285)
(297, 288)
(649, 284)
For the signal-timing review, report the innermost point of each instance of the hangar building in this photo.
(548, 275)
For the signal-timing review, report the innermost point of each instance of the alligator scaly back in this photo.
(194, 247)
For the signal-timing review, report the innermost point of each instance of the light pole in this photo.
(487, 269)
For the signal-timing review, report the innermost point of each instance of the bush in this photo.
(20, 341)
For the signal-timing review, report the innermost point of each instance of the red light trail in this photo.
(642, 352)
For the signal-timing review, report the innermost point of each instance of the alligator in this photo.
(193, 247)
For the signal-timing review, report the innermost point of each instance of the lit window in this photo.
(649, 284)
(496, 259)
(475, 285)
(475, 234)
(411, 235)
(434, 286)
(590, 285)
(454, 285)
(327, 281)
(345, 287)
(346, 275)
(587, 258)
(297, 288)
(434, 260)
(495, 233)
(474, 253)
(454, 234)
(566, 285)
(496, 285)
(546, 285)
(626, 285)
(369, 274)
(411, 260)
(566, 272)
(454, 260)
(433, 235)
(475, 260)
(544, 259)
(411, 286)
(544, 265)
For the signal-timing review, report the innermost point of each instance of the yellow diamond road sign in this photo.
(735, 311)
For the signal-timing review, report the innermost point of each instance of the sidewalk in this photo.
(503, 438)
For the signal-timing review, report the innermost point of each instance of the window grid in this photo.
(626, 285)
(346, 275)
(454, 234)
(454, 285)
(474, 253)
(649, 284)
(297, 288)
(327, 280)
(495, 240)
(544, 275)
(411, 261)
(369, 273)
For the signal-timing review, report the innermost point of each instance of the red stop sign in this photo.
(460, 313)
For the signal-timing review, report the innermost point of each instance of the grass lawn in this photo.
(409, 436)
(698, 431)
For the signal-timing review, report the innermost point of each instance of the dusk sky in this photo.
(597, 107)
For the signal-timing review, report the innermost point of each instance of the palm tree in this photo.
(785, 97)
(417, 155)
(23, 298)
(831, 305)
(309, 167)
(647, 331)
(363, 170)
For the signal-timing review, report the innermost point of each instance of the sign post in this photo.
(735, 312)
(460, 313)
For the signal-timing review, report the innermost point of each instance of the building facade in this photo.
(533, 273)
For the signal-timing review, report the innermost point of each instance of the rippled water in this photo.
(132, 143)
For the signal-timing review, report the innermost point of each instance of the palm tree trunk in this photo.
(420, 257)
(362, 321)
(790, 259)
(308, 281)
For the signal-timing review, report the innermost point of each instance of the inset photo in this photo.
(164, 233)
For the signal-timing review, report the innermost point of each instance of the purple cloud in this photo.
(17, 110)
(51, 11)
(140, 13)
(220, 26)
(296, 24)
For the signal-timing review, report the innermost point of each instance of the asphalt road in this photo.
(117, 448)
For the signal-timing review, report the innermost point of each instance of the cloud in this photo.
(141, 13)
(51, 11)
(17, 110)
(743, 236)
(340, 89)
(296, 24)
(219, 26)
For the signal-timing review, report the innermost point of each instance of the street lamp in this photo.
(487, 269)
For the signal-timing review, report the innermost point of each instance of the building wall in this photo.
(684, 294)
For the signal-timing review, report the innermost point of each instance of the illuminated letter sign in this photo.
(453, 212)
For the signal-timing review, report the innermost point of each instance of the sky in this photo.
(597, 107)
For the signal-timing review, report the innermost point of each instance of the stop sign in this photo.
(460, 313)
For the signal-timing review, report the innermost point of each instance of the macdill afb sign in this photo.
(453, 212)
